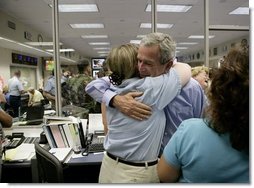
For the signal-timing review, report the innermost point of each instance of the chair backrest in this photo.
(50, 169)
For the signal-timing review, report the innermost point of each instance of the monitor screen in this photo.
(97, 63)
(49, 65)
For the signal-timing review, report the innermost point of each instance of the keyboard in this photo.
(31, 140)
(97, 145)
(34, 122)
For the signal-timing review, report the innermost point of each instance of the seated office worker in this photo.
(133, 146)
(188, 104)
(35, 97)
(5, 122)
(214, 149)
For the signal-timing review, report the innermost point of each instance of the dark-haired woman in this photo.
(214, 149)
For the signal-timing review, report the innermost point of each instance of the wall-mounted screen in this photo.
(97, 63)
(24, 59)
(95, 73)
(49, 65)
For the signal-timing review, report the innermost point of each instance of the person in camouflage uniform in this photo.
(73, 90)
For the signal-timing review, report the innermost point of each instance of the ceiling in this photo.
(122, 19)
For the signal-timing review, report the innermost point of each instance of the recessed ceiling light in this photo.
(241, 11)
(181, 48)
(94, 36)
(101, 48)
(103, 55)
(187, 43)
(159, 25)
(141, 36)
(91, 25)
(99, 43)
(169, 8)
(228, 27)
(135, 41)
(62, 50)
(103, 52)
(41, 43)
(199, 36)
(78, 8)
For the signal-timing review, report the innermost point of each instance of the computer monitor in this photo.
(35, 112)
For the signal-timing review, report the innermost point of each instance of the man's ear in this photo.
(169, 65)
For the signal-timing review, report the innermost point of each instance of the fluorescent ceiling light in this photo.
(99, 43)
(78, 8)
(36, 49)
(228, 27)
(199, 36)
(241, 11)
(135, 41)
(169, 8)
(41, 43)
(94, 36)
(102, 48)
(159, 25)
(62, 50)
(187, 43)
(24, 45)
(103, 55)
(92, 25)
(181, 48)
(141, 36)
(103, 52)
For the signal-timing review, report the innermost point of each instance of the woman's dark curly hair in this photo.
(229, 99)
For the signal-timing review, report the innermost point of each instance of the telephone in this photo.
(14, 140)
(89, 138)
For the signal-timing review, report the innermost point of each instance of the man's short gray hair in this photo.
(165, 42)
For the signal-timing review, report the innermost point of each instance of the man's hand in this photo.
(130, 107)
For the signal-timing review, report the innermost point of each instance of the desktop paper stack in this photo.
(62, 132)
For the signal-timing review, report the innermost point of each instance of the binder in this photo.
(57, 136)
(68, 135)
(49, 136)
(63, 136)
(81, 134)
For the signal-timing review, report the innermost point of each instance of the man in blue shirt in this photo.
(188, 104)
(15, 89)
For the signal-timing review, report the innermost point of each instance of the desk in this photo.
(25, 172)
(83, 169)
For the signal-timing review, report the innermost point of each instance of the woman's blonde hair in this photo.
(122, 62)
(196, 70)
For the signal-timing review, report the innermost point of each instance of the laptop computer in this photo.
(34, 115)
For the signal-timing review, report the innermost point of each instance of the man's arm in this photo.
(130, 107)
(104, 118)
(2, 98)
(48, 96)
(5, 119)
(99, 89)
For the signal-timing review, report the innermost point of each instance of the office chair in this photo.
(50, 169)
